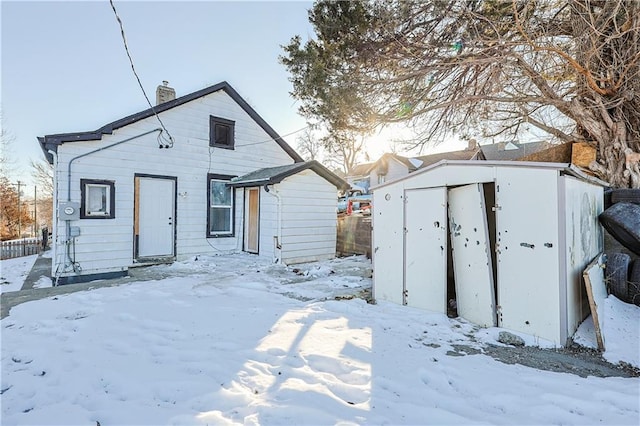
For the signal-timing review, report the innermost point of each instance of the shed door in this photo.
(425, 245)
(252, 219)
(472, 264)
(155, 216)
(528, 261)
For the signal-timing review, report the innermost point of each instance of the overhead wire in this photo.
(163, 142)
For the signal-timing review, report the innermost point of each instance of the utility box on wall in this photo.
(68, 210)
(507, 240)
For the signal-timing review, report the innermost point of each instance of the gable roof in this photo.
(465, 154)
(360, 170)
(271, 175)
(51, 142)
(512, 150)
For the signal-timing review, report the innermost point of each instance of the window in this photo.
(220, 206)
(98, 199)
(221, 132)
(382, 178)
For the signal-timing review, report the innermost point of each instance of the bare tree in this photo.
(42, 173)
(15, 216)
(345, 149)
(309, 147)
(7, 162)
(568, 68)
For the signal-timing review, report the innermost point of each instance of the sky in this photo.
(236, 339)
(64, 67)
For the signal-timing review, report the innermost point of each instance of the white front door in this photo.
(425, 245)
(472, 264)
(155, 216)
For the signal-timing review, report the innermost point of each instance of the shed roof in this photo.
(51, 142)
(271, 175)
(567, 168)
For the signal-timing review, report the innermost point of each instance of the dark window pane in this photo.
(222, 134)
(220, 220)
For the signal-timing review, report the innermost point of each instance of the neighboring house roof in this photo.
(512, 150)
(383, 162)
(271, 175)
(360, 170)
(465, 154)
(414, 163)
(51, 142)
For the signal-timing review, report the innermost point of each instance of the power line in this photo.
(280, 138)
(163, 144)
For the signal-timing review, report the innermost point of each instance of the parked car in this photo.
(354, 200)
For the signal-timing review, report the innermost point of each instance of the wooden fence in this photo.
(354, 235)
(18, 248)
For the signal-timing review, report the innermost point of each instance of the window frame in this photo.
(221, 178)
(111, 198)
(213, 122)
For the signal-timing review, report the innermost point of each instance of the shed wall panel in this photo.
(584, 242)
(425, 249)
(472, 265)
(387, 242)
(528, 251)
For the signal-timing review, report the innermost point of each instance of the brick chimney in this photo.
(472, 145)
(164, 93)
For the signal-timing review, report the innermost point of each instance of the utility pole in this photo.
(35, 211)
(19, 212)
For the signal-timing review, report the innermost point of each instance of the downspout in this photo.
(54, 219)
(68, 241)
(277, 239)
(98, 150)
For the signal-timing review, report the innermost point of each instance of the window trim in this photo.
(84, 193)
(221, 178)
(213, 121)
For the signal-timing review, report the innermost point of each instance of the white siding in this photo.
(395, 170)
(583, 203)
(309, 219)
(189, 161)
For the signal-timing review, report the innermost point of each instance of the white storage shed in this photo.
(508, 241)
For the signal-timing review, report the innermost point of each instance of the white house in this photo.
(391, 166)
(200, 174)
(508, 241)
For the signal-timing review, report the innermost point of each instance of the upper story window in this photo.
(98, 199)
(221, 132)
(382, 178)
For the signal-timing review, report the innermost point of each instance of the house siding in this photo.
(395, 170)
(309, 218)
(188, 161)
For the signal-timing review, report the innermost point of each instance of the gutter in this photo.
(277, 239)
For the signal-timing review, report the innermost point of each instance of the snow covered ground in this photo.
(14, 271)
(236, 340)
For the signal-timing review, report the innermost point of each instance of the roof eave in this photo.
(55, 140)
